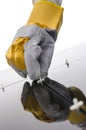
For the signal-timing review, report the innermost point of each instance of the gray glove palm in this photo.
(38, 52)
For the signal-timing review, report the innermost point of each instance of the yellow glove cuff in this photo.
(46, 14)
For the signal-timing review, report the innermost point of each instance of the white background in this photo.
(14, 14)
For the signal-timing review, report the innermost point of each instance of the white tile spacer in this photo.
(76, 104)
(40, 81)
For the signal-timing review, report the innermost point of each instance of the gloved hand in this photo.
(51, 103)
(30, 103)
(35, 56)
(32, 47)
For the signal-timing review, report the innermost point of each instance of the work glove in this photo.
(34, 57)
(30, 103)
(50, 100)
(32, 48)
